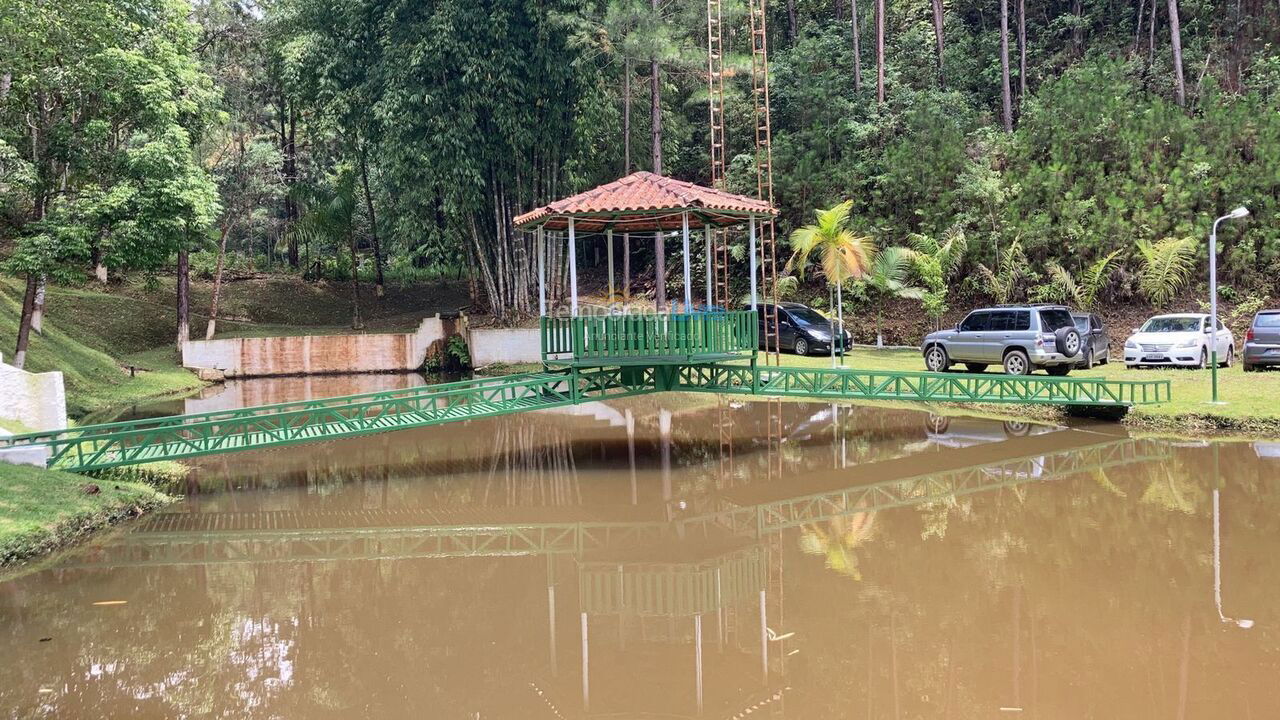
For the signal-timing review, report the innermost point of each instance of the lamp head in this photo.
(1239, 212)
(1244, 623)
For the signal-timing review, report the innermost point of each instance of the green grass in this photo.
(1251, 399)
(43, 510)
(76, 346)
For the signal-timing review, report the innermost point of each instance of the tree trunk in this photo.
(880, 52)
(1007, 114)
(1175, 39)
(857, 51)
(380, 287)
(356, 323)
(655, 123)
(791, 21)
(1022, 52)
(626, 267)
(24, 323)
(1077, 32)
(1137, 33)
(288, 141)
(210, 329)
(937, 34)
(1151, 33)
(37, 312)
(626, 116)
(184, 298)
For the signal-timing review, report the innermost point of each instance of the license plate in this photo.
(1154, 358)
(1273, 351)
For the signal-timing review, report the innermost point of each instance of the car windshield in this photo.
(1269, 320)
(1051, 320)
(1082, 324)
(1172, 324)
(806, 316)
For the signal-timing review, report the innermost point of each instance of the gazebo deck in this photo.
(696, 337)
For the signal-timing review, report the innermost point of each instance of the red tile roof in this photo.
(645, 201)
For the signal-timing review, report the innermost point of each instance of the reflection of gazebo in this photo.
(644, 202)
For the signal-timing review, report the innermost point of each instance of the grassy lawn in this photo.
(42, 510)
(1252, 400)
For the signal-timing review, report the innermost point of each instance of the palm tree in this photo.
(331, 216)
(842, 254)
(935, 263)
(887, 278)
(1166, 267)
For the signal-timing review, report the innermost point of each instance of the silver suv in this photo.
(1019, 338)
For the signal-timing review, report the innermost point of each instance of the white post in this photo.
(573, 271)
(608, 237)
(751, 253)
(551, 616)
(697, 655)
(710, 269)
(688, 285)
(764, 641)
(586, 686)
(540, 240)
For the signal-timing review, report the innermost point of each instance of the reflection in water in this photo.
(640, 559)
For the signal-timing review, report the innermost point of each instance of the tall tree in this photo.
(937, 35)
(857, 51)
(1022, 51)
(1007, 101)
(655, 124)
(1175, 40)
(880, 51)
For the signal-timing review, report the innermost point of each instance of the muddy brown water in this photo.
(909, 566)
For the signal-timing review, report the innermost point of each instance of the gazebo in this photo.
(646, 202)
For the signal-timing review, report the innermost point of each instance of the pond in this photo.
(614, 561)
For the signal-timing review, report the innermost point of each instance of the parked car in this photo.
(802, 330)
(1184, 340)
(1262, 342)
(1020, 338)
(1093, 335)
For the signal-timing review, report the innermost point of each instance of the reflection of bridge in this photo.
(745, 514)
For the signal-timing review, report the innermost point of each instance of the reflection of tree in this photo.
(839, 540)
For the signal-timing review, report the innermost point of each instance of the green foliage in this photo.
(1063, 286)
(1166, 267)
(1007, 283)
(842, 254)
(935, 264)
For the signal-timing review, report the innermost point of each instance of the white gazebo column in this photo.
(710, 268)
(688, 282)
(608, 238)
(540, 241)
(573, 271)
(751, 253)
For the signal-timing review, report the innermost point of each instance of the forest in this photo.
(1021, 149)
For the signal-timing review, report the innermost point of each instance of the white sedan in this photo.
(1184, 340)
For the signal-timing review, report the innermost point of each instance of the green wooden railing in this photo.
(640, 338)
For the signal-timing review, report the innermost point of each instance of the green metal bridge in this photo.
(587, 359)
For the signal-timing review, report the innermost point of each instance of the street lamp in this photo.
(1236, 214)
(1217, 570)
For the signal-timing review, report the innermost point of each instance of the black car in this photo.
(802, 329)
(1095, 345)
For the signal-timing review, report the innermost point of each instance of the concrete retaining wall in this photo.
(504, 345)
(35, 401)
(321, 354)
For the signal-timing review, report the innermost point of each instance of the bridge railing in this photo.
(680, 336)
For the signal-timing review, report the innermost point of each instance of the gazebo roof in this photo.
(643, 201)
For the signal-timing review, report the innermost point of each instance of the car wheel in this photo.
(1231, 356)
(975, 367)
(936, 360)
(937, 424)
(1204, 358)
(1249, 368)
(1068, 341)
(1087, 362)
(801, 347)
(1058, 370)
(1017, 428)
(1016, 362)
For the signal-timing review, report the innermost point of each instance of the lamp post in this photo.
(1236, 214)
